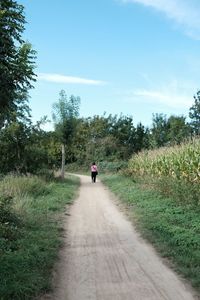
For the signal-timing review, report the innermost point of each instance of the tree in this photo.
(108, 138)
(159, 131)
(65, 114)
(194, 114)
(16, 63)
(141, 140)
(13, 140)
(27, 149)
(124, 132)
(178, 129)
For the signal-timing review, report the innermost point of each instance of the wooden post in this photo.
(63, 162)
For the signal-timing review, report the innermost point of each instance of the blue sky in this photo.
(135, 57)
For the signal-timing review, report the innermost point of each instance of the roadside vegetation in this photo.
(162, 192)
(157, 170)
(180, 162)
(30, 227)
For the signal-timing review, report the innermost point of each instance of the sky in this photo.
(130, 57)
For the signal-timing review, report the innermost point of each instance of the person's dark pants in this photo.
(93, 175)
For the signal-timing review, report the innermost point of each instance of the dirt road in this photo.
(104, 258)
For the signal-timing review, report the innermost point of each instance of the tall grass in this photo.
(179, 162)
(21, 186)
(172, 227)
(111, 166)
(30, 228)
(162, 191)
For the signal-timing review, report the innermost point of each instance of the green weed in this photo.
(172, 227)
(30, 233)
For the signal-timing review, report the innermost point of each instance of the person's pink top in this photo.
(93, 168)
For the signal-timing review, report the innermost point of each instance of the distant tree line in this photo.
(115, 138)
(27, 148)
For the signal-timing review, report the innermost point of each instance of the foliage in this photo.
(13, 139)
(181, 162)
(168, 131)
(17, 187)
(107, 138)
(181, 191)
(159, 129)
(111, 167)
(10, 223)
(194, 114)
(178, 131)
(27, 149)
(172, 227)
(43, 150)
(113, 138)
(65, 114)
(16, 63)
(26, 219)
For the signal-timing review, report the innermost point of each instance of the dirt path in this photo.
(104, 258)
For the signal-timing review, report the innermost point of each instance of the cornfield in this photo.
(180, 162)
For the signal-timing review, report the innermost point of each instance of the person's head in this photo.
(93, 163)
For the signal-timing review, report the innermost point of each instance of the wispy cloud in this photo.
(185, 13)
(169, 99)
(57, 78)
(174, 94)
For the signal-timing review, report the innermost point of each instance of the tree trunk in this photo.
(63, 162)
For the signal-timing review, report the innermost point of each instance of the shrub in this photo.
(10, 224)
(112, 167)
(21, 186)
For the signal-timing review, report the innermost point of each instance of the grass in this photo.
(30, 231)
(172, 227)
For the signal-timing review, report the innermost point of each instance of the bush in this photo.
(46, 174)
(10, 224)
(21, 186)
(7, 215)
(112, 167)
(181, 190)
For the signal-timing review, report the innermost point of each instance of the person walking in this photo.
(94, 172)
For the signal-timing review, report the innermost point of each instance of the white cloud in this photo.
(175, 94)
(186, 13)
(57, 78)
(169, 99)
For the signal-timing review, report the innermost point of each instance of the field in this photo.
(179, 162)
